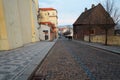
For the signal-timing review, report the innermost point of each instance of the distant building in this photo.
(18, 23)
(68, 31)
(49, 15)
(93, 22)
(117, 32)
(117, 29)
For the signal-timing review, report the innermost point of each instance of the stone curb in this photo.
(29, 71)
(100, 47)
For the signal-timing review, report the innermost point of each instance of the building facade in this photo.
(18, 24)
(44, 32)
(94, 25)
(49, 15)
(51, 27)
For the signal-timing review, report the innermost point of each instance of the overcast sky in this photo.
(69, 10)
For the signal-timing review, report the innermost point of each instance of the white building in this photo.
(44, 32)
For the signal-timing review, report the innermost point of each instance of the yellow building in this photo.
(18, 23)
(48, 15)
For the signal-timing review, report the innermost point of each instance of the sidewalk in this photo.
(114, 49)
(18, 64)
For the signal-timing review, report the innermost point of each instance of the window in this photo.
(92, 31)
(45, 31)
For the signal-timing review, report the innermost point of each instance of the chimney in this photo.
(85, 9)
(92, 6)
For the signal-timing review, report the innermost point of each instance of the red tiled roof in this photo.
(96, 15)
(48, 23)
(46, 9)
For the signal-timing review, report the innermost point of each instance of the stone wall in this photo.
(112, 40)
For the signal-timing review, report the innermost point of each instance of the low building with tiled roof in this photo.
(95, 15)
(92, 22)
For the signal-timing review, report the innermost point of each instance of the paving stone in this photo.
(16, 63)
(2, 76)
(59, 65)
(71, 60)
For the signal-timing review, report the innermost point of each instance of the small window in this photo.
(92, 31)
(45, 31)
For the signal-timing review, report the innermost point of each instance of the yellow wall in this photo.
(99, 39)
(112, 40)
(25, 20)
(13, 24)
(37, 5)
(3, 34)
(35, 32)
(18, 23)
(47, 18)
(44, 16)
(53, 19)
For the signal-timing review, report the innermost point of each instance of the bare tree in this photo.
(112, 10)
(116, 16)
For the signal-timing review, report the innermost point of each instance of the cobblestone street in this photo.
(59, 40)
(70, 60)
(59, 65)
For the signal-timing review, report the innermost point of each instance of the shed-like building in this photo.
(95, 21)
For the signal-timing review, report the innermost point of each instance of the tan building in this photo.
(18, 23)
(49, 15)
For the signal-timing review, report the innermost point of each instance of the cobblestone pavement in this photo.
(22, 61)
(59, 65)
(102, 64)
(71, 60)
